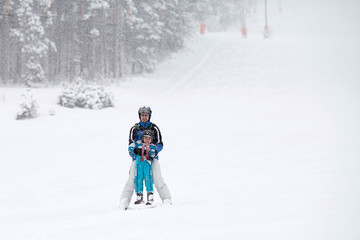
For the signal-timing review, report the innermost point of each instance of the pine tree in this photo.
(34, 45)
(177, 20)
(97, 39)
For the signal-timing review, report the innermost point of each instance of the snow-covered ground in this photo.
(261, 140)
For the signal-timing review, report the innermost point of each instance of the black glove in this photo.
(137, 151)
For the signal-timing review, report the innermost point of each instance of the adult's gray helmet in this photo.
(144, 109)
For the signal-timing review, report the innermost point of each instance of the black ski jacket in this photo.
(137, 130)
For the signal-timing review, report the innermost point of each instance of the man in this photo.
(136, 134)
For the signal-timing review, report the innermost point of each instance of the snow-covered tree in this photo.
(141, 35)
(28, 107)
(177, 19)
(82, 95)
(34, 44)
(99, 39)
(96, 13)
(147, 30)
(154, 29)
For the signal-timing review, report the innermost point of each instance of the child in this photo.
(143, 152)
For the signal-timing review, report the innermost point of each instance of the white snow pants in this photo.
(158, 180)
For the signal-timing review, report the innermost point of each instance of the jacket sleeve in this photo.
(152, 152)
(133, 134)
(157, 139)
(131, 148)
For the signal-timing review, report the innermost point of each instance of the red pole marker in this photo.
(47, 8)
(82, 11)
(202, 28)
(244, 31)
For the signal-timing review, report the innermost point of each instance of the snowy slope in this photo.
(261, 141)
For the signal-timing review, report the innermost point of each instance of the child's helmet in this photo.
(147, 133)
(145, 109)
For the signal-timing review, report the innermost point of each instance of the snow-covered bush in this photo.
(83, 95)
(28, 107)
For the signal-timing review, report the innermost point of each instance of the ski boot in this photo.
(139, 198)
(150, 198)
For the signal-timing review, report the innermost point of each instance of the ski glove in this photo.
(137, 151)
(152, 152)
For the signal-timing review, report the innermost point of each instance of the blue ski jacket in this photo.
(143, 168)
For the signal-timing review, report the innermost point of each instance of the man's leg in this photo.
(128, 188)
(159, 183)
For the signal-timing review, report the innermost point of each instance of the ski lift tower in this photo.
(266, 28)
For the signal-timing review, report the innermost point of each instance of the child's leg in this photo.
(139, 176)
(148, 177)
